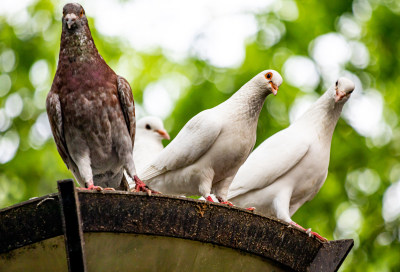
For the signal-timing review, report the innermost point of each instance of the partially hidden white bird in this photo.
(290, 167)
(210, 148)
(150, 132)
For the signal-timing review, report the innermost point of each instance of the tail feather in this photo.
(151, 172)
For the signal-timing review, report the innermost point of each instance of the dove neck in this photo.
(323, 115)
(249, 99)
(78, 47)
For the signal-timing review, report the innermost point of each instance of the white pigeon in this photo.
(290, 167)
(150, 132)
(210, 148)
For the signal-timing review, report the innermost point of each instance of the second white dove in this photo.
(210, 148)
(290, 167)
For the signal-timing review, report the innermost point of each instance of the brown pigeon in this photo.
(91, 110)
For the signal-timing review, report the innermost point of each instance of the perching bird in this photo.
(150, 132)
(290, 167)
(91, 110)
(210, 148)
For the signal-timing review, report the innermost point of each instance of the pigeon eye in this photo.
(268, 75)
(81, 14)
(148, 126)
(337, 82)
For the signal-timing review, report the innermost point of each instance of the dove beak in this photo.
(274, 88)
(339, 95)
(70, 18)
(164, 134)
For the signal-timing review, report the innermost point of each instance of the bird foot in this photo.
(142, 187)
(252, 209)
(91, 187)
(227, 203)
(209, 198)
(312, 233)
(109, 189)
(224, 202)
(309, 232)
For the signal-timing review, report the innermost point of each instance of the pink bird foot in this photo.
(227, 203)
(209, 198)
(309, 232)
(91, 187)
(142, 187)
(252, 209)
(224, 202)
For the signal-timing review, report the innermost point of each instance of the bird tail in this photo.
(150, 172)
(233, 193)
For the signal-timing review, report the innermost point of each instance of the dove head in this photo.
(74, 17)
(270, 79)
(343, 89)
(152, 127)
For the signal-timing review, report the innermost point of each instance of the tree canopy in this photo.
(310, 42)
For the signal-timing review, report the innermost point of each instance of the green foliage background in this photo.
(34, 169)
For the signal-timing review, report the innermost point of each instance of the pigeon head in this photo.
(343, 89)
(152, 125)
(270, 79)
(74, 17)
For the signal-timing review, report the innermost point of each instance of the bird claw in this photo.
(252, 209)
(309, 232)
(227, 203)
(91, 187)
(142, 187)
(319, 237)
(209, 198)
(109, 189)
(221, 201)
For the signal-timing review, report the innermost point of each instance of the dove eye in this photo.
(268, 75)
(148, 126)
(81, 14)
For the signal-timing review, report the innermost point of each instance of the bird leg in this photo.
(309, 232)
(142, 187)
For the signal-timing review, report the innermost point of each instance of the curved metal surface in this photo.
(160, 215)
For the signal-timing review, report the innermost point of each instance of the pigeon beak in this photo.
(274, 88)
(339, 95)
(164, 134)
(70, 18)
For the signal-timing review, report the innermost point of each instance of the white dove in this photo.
(150, 132)
(290, 167)
(210, 148)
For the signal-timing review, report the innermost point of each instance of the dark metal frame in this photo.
(72, 226)
(161, 215)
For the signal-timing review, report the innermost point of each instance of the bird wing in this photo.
(192, 142)
(127, 105)
(272, 159)
(54, 113)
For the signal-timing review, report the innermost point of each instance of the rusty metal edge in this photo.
(218, 211)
